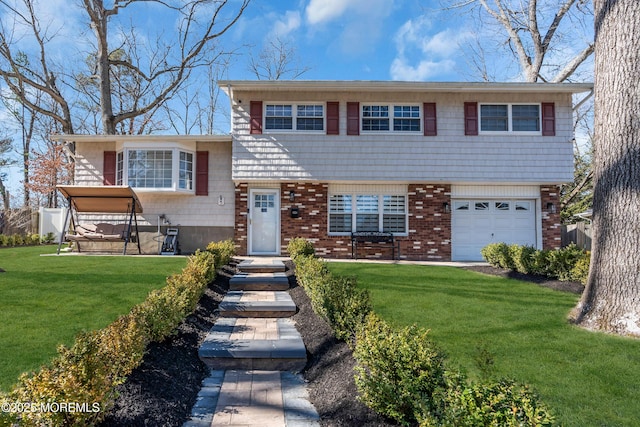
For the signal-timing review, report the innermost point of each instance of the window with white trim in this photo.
(301, 117)
(167, 169)
(397, 118)
(510, 118)
(367, 212)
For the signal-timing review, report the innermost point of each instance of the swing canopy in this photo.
(102, 200)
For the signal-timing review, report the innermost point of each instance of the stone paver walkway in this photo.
(254, 351)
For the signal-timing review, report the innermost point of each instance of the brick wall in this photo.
(429, 224)
(551, 226)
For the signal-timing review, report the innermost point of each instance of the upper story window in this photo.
(165, 169)
(302, 117)
(383, 118)
(510, 118)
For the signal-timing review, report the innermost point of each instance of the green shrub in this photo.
(4, 240)
(48, 238)
(498, 255)
(562, 261)
(522, 258)
(399, 371)
(569, 263)
(299, 246)
(343, 305)
(498, 404)
(222, 251)
(580, 270)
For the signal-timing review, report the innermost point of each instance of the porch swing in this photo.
(99, 207)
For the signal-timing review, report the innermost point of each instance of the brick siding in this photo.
(551, 226)
(429, 222)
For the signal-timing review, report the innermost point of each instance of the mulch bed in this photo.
(558, 285)
(163, 389)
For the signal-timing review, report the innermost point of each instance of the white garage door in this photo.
(476, 223)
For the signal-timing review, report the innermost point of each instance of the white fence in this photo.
(51, 221)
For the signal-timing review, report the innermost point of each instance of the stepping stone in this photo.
(259, 282)
(251, 343)
(261, 265)
(257, 304)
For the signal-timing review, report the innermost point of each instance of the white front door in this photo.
(264, 222)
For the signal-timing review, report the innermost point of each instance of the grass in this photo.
(46, 301)
(588, 379)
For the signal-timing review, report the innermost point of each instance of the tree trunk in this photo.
(611, 300)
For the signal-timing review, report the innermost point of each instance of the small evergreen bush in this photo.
(222, 251)
(343, 305)
(398, 371)
(299, 246)
(522, 258)
(501, 404)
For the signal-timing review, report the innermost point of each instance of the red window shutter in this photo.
(548, 119)
(109, 174)
(333, 118)
(430, 121)
(353, 118)
(255, 111)
(470, 118)
(202, 173)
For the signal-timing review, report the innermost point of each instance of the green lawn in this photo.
(46, 300)
(588, 379)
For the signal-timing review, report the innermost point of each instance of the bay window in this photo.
(169, 169)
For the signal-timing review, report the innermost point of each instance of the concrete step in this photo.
(261, 265)
(257, 304)
(251, 343)
(259, 282)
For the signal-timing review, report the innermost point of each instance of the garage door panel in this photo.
(476, 223)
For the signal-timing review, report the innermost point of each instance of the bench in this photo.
(373, 238)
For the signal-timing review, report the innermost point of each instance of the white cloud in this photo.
(321, 11)
(356, 25)
(424, 70)
(421, 55)
(290, 22)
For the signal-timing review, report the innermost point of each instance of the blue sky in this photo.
(360, 39)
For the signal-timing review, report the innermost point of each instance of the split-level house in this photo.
(442, 168)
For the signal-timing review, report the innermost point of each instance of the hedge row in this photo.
(568, 264)
(19, 240)
(400, 373)
(89, 371)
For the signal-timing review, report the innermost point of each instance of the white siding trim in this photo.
(493, 191)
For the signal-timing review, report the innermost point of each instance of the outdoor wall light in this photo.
(292, 196)
(446, 207)
(551, 207)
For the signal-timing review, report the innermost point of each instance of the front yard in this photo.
(46, 301)
(587, 379)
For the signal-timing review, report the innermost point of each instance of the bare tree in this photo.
(277, 60)
(159, 71)
(611, 300)
(5, 161)
(534, 31)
